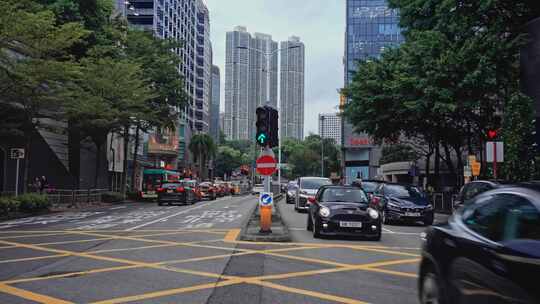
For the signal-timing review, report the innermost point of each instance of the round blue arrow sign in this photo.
(266, 199)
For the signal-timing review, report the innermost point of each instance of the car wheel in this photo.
(384, 219)
(316, 230)
(377, 238)
(430, 288)
(309, 223)
(428, 221)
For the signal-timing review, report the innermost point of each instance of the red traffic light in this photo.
(492, 134)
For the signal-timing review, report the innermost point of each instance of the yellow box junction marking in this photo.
(231, 236)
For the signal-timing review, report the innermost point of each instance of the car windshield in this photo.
(292, 186)
(402, 191)
(315, 183)
(347, 195)
(369, 186)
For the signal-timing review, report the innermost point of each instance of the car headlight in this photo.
(374, 214)
(303, 192)
(290, 193)
(324, 212)
(429, 207)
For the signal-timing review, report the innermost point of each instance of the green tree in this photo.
(34, 64)
(109, 95)
(397, 153)
(227, 160)
(203, 147)
(517, 127)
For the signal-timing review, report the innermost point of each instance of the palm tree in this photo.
(202, 147)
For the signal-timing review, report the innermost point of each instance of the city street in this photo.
(142, 253)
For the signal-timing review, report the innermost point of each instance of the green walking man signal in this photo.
(267, 127)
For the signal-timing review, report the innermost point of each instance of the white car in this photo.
(308, 187)
(257, 189)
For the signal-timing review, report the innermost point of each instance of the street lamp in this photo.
(268, 56)
(322, 145)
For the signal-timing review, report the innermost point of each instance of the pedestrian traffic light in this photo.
(263, 126)
(492, 134)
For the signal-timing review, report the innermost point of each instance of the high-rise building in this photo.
(214, 109)
(203, 69)
(330, 126)
(371, 28)
(292, 88)
(250, 64)
(186, 21)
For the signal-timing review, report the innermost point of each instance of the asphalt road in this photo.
(143, 253)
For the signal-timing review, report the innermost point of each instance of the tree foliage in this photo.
(448, 82)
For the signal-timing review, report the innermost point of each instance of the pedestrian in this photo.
(43, 184)
(36, 185)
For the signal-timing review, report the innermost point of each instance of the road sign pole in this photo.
(17, 179)
(495, 160)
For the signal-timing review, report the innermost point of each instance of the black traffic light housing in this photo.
(262, 136)
(267, 127)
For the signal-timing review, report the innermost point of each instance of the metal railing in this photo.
(73, 197)
(443, 202)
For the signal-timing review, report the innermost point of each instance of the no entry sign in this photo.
(266, 165)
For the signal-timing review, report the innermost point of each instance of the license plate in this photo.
(350, 224)
(151, 192)
(170, 191)
(413, 214)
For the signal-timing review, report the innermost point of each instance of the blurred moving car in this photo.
(290, 192)
(370, 186)
(258, 188)
(192, 185)
(208, 191)
(472, 189)
(403, 203)
(308, 187)
(343, 210)
(488, 252)
(175, 192)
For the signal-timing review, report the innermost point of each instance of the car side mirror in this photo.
(312, 200)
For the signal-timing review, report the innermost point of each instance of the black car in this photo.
(487, 253)
(403, 203)
(370, 186)
(343, 210)
(472, 189)
(175, 192)
(290, 192)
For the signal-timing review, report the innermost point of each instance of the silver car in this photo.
(290, 192)
(308, 187)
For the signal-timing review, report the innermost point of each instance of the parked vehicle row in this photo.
(191, 192)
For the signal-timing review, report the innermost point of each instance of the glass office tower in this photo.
(371, 28)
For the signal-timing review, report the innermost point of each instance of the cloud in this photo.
(319, 23)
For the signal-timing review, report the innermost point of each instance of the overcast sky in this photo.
(319, 23)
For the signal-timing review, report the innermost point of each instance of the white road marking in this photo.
(387, 230)
(117, 208)
(168, 217)
(297, 229)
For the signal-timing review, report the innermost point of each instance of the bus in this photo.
(152, 179)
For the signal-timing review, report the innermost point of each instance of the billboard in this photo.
(163, 142)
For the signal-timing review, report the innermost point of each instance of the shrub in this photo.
(112, 197)
(32, 202)
(8, 205)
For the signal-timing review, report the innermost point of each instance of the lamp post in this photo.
(268, 56)
(322, 145)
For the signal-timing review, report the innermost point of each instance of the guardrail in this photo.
(72, 197)
(443, 202)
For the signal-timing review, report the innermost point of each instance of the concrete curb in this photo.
(280, 230)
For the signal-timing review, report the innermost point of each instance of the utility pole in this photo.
(322, 145)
